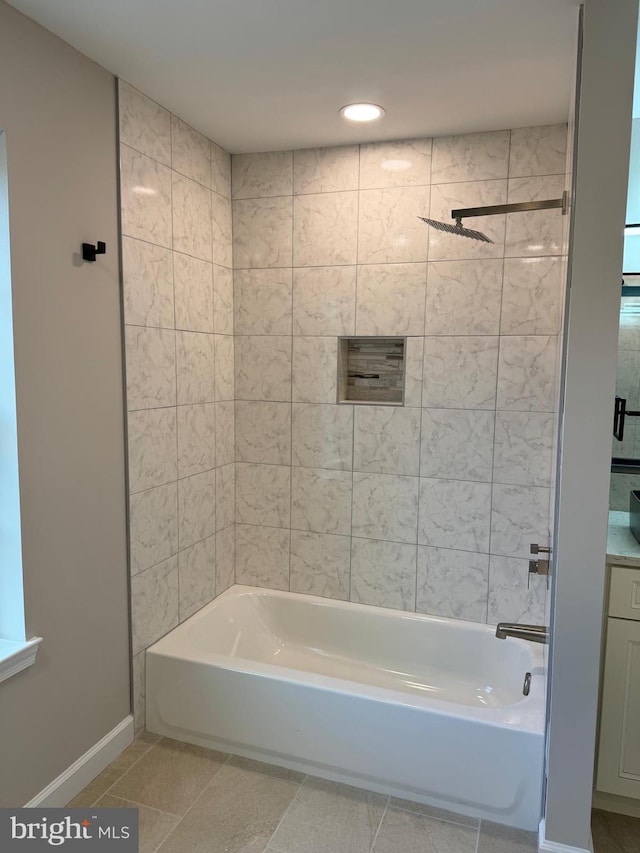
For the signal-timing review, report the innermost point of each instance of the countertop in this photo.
(622, 547)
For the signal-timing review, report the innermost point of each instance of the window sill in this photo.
(16, 656)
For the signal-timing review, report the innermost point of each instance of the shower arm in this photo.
(516, 207)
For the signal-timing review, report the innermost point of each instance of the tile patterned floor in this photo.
(615, 833)
(194, 800)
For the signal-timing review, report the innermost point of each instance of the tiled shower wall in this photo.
(430, 506)
(628, 386)
(178, 311)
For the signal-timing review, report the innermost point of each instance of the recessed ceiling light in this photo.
(361, 112)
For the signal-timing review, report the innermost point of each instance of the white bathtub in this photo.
(420, 707)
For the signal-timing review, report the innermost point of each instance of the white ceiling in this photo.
(259, 75)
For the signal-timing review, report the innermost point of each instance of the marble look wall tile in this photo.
(191, 205)
(151, 367)
(470, 157)
(325, 170)
(523, 448)
(263, 367)
(263, 432)
(389, 230)
(263, 494)
(196, 508)
(538, 150)
(144, 125)
(448, 197)
(320, 564)
(457, 444)
(509, 598)
(519, 516)
(225, 432)
(537, 232)
(193, 282)
(451, 583)
(190, 152)
(195, 365)
(145, 198)
(527, 373)
(153, 454)
(262, 233)
(262, 556)
(147, 274)
(322, 436)
(261, 175)
(197, 577)
(154, 603)
(385, 507)
(532, 296)
(225, 496)
(262, 302)
(315, 370)
(224, 382)
(386, 440)
(222, 235)
(222, 300)
(413, 363)
(383, 573)
(629, 333)
(153, 519)
(460, 372)
(220, 171)
(455, 514)
(619, 487)
(324, 300)
(196, 439)
(391, 299)
(463, 297)
(628, 377)
(325, 229)
(225, 559)
(139, 679)
(395, 164)
(321, 500)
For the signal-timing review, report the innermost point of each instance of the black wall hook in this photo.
(89, 251)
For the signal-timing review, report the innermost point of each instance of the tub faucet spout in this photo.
(533, 633)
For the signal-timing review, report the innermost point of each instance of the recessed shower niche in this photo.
(371, 370)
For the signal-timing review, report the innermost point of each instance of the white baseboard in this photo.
(546, 846)
(614, 803)
(76, 777)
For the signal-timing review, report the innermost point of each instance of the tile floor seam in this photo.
(124, 773)
(206, 788)
(141, 805)
(202, 792)
(441, 819)
(284, 814)
(477, 847)
(375, 837)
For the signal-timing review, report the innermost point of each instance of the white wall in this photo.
(600, 175)
(59, 114)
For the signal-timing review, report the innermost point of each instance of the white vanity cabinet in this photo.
(619, 748)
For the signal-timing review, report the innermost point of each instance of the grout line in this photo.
(293, 235)
(285, 813)
(198, 797)
(353, 408)
(384, 813)
(478, 836)
(128, 770)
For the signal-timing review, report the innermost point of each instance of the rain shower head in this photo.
(493, 210)
(458, 229)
